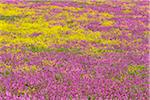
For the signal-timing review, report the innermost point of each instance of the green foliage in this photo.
(91, 98)
(135, 69)
(39, 49)
(59, 77)
(6, 73)
(62, 50)
(9, 18)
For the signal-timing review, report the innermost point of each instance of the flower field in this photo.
(74, 50)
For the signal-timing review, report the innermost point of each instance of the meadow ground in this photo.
(74, 50)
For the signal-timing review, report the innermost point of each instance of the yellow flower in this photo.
(9, 10)
(26, 68)
(107, 15)
(127, 11)
(8, 67)
(33, 68)
(107, 23)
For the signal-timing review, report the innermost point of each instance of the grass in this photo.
(132, 70)
(9, 18)
(39, 49)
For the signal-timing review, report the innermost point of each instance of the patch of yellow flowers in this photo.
(51, 34)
